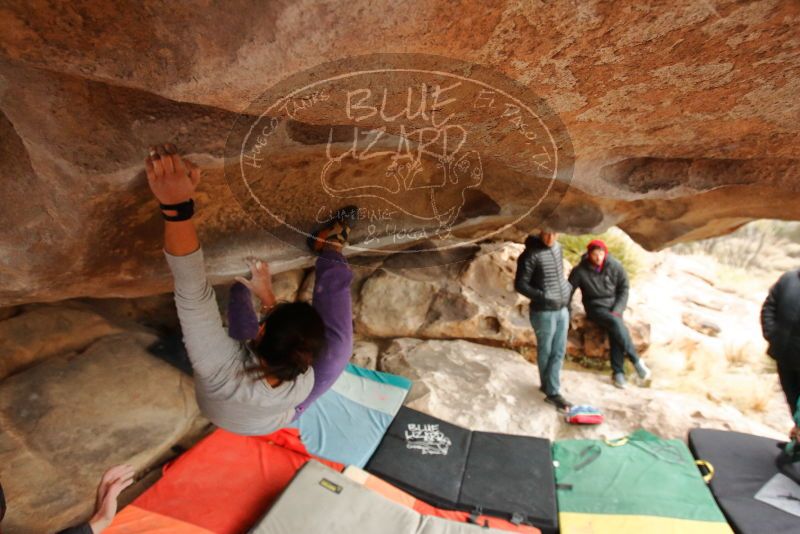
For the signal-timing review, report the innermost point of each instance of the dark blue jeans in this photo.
(618, 338)
(551, 346)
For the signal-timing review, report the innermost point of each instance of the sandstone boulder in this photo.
(391, 304)
(471, 298)
(587, 340)
(45, 331)
(496, 390)
(361, 271)
(682, 120)
(365, 354)
(701, 324)
(9, 312)
(67, 419)
(285, 285)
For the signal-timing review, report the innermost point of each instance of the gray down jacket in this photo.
(540, 276)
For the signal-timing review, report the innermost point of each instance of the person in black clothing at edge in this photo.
(540, 277)
(111, 485)
(780, 324)
(604, 291)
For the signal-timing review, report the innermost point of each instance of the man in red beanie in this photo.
(604, 291)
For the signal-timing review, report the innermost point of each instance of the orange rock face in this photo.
(675, 123)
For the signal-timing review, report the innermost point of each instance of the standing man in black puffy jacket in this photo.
(540, 277)
(780, 323)
(604, 291)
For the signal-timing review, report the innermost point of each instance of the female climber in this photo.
(258, 386)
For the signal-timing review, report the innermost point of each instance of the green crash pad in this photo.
(639, 482)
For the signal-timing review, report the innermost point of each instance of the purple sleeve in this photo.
(333, 302)
(242, 318)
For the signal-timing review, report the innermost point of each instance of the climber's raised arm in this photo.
(173, 181)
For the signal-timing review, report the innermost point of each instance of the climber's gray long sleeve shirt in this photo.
(226, 395)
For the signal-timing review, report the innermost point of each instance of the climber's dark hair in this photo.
(293, 337)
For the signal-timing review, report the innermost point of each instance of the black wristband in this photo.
(185, 210)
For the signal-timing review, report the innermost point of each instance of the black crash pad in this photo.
(742, 463)
(449, 466)
(424, 455)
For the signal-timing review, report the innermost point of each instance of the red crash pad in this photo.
(226, 482)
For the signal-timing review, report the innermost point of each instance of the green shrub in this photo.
(626, 252)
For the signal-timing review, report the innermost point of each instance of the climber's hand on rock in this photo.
(172, 178)
(111, 485)
(260, 282)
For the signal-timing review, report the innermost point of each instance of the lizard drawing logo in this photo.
(413, 178)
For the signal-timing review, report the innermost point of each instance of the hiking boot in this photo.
(619, 380)
(336, 229)
(559, 402)
(643, 371)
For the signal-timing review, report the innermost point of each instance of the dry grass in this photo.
(740, 281)
(738, 354)
(729, 373)
(767, 246)
(528, 352)
(748, 392)
(701, 360)
(759, 400)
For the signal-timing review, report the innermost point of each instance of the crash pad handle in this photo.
(709, 470)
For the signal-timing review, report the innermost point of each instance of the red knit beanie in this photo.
(596, 243)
